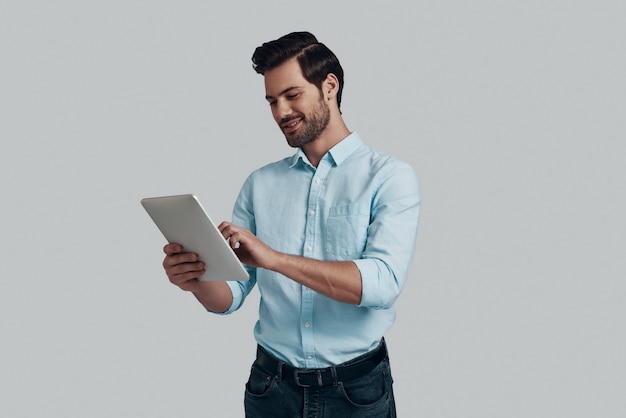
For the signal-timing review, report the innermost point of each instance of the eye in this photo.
(272, 102)
(293, 96)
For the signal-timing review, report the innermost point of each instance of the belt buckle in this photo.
(297, 373)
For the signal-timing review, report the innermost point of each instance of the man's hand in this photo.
(249, 249)
(339, 280)
(183, 269)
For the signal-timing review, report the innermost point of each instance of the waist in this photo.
(338, 331)
(344, 372)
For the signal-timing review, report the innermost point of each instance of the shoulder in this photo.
(382, 163)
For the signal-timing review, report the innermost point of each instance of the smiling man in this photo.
(328, 235)
(294, 94)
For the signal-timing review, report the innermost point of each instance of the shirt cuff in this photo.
(371, 291)
(237, 299)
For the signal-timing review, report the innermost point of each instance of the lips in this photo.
(291, 125)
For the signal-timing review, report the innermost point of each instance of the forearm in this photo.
(338, 280)
(214, 296)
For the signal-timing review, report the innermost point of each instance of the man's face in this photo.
(298, 106)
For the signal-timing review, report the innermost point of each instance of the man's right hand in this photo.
(183, 269)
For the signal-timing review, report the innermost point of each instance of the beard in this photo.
(314, 124)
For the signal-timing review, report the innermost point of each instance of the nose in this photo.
(281, 109)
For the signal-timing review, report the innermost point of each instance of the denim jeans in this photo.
(369, 396)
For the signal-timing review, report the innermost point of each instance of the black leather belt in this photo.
(322, 377)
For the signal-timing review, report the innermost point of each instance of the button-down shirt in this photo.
(358, 204)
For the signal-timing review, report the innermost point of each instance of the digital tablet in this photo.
(182, 220)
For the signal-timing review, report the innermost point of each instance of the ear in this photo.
(330, 86)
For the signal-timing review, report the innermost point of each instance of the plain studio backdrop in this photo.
(511, 113)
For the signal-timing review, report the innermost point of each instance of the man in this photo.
(328, 235)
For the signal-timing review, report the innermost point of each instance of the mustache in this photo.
(290, 118)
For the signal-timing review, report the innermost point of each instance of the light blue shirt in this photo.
(358, 204)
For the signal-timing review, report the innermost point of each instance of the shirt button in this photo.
(307, 325)
(311, 212)
(309, 248)
(318, 181)
(309, 357)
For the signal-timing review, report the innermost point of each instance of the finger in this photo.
(179, 258)
(227, 229)
(235, 240)
(185, 271)
(181, 278)
(172, 248)
(223, 226)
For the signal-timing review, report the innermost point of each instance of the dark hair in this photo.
(315, 59)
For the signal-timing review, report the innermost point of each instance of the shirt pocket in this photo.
(346, 230)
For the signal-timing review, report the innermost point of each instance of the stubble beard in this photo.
(315, 123)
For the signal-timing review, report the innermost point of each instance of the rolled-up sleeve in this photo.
(391, 238)
(242, 216)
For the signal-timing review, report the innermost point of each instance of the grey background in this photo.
(511, 113)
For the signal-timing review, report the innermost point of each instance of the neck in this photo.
(335, 132)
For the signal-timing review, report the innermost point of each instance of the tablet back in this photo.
(182, 220)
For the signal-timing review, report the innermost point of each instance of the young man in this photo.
(328, 234)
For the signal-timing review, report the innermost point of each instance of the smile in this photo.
(291, 125)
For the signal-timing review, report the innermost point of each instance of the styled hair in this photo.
(315, 59)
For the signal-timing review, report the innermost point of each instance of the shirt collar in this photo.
(345, 148)
(339, 153)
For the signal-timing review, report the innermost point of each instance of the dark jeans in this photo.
(369, 396)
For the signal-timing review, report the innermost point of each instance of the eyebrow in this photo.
(267, 97)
